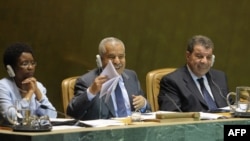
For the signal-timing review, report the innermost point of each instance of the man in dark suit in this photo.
(181, 91)
(86, 103)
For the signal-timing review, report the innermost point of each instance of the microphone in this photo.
(99, 65)
(218, 89)
(61, 113)
(79, 119)
(217, 86)
(74, 122)
(218, 110)
(176, 106)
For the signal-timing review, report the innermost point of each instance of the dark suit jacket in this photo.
(81, 108)
(179, 88)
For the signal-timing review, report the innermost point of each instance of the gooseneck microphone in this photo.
(74, 122)
(78, 121)
(220, 93)
(218, 89)
(176, 106)
(61, 113)
(218, 110)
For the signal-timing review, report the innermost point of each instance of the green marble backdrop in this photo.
(65, 34)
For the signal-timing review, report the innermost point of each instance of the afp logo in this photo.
(241, 132)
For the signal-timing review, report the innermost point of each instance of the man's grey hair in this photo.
(199, 40)
(112, 40)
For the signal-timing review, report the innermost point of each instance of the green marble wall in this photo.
(198, 131)
(65, 34)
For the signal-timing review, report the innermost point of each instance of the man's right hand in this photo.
(97, 84)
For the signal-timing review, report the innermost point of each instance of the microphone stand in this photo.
(61, 113)
(100, 108)
(74, 122)
(176, 106)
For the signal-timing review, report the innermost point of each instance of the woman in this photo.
(21, 84)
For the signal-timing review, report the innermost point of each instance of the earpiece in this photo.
(98, 61)
(10, 71)
(213, 59)
(12, 75)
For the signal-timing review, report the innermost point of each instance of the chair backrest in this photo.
(68, 85)
(153, 79)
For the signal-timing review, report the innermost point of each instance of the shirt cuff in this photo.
(90, 95)
(144, 108)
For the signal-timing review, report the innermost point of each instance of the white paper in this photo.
(92, 123)
(64, 127)
(203, 116)
(145, 116)
(209, 116)
(103, 122)
(110, 71)
(152, 115)
(60, 119)
(109, 86)
(225, 108)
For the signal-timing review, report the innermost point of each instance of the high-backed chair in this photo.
(68, 85)
(153, 85)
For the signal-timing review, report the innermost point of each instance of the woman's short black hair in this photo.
(14, 51)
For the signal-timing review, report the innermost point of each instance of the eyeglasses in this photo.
(26, 64)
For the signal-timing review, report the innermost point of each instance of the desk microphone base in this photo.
(25, 128)
(242, 114)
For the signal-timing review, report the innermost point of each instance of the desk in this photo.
(206, 130)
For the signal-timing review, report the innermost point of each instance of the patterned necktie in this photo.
(121, 109)
(210, 102)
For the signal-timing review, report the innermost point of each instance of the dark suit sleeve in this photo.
(80, 104)
(134, 88)
(168, 97)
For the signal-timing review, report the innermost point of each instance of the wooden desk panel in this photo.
(208, 130)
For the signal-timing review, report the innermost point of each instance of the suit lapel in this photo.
(125, 78)
(192, 86)
(109, 104)
(215, 91)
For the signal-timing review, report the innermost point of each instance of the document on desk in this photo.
(203, 115)
(148, 116)
(210, 116)
(70, 123)
(102, 122)
(63, 123)
(109, 86)
(64, 127)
